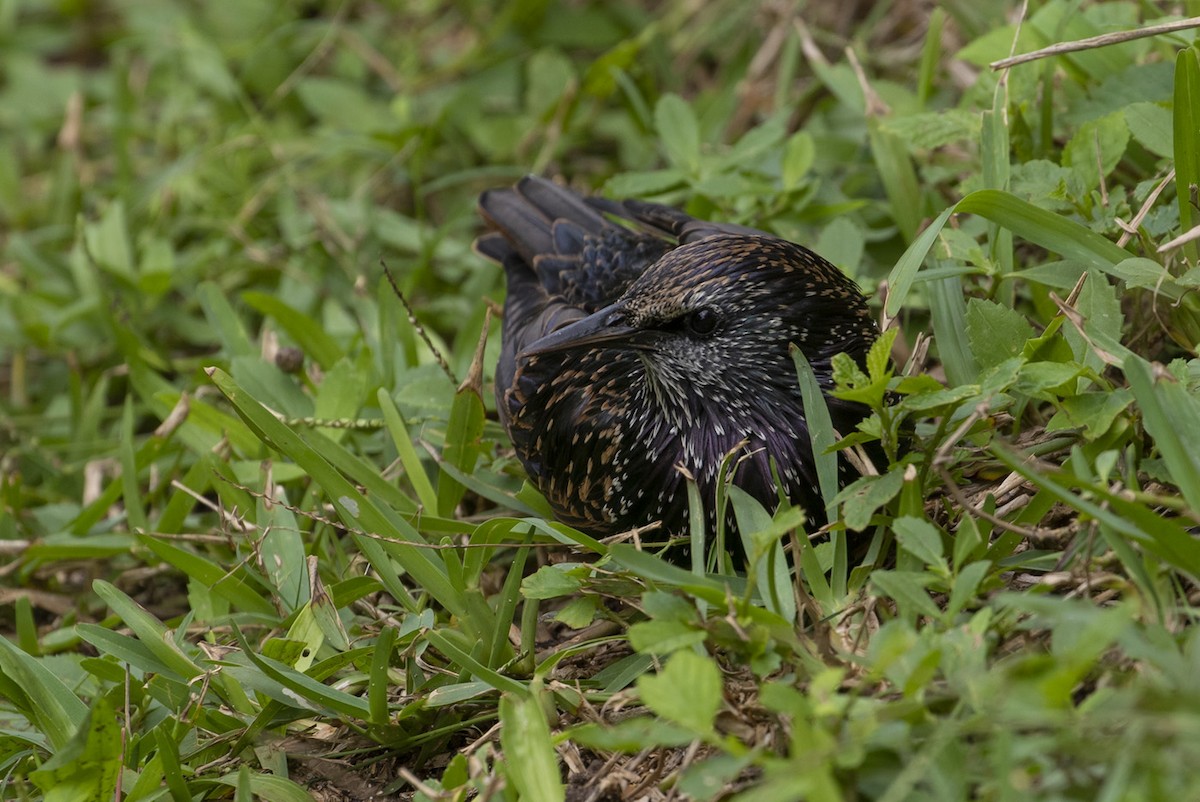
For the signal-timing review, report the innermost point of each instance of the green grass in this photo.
(263, 536)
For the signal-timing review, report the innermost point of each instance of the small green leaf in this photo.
(1095, 149)
(842, 243)
(651, 182)
(923, 540)
(308, 629)
(965, 585)
(798, 156)
(1151, 126)
(579, 612)
(663, 637)
(907, 588)
(1092, 412)
(756, 142)
(1047, 378)
(996, 332)
(108, 241)
(379, 687)
(687, 691)
(1138, 271)
(709, 777)
(862, 497)
(551, 581)
(934, 129)
(879, 357)
(632, 735)
(1102, 319)
(282, 553)
(549, 74)
(679, 131)
(341, 104)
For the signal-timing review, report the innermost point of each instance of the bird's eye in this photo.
(703, 321)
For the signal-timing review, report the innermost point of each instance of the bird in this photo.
(641, 346)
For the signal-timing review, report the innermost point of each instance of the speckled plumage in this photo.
(629, 352)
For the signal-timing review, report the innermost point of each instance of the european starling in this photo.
(632, 351)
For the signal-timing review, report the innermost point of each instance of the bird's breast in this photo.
(608, 452)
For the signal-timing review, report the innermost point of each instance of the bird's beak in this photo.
(605, 326)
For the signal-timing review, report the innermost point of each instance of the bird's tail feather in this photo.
(530, 218)
(669, 221)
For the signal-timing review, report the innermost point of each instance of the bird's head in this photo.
(711, 321)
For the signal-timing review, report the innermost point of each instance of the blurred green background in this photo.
(186, 579)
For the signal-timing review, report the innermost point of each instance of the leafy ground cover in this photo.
(263, 537)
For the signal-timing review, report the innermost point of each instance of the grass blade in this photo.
(149, 630)
(413, 468)
(1171, 416)
(904, 273)
(1039, 226)
(1160, 536)
(1187, 141)
(307, 333)
(930, 55)
(820, 430)
(49, 703)
(949, 312)
(529, 750)
(899, 177)
(1042, 227)
(229, 584)
(353, 507)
